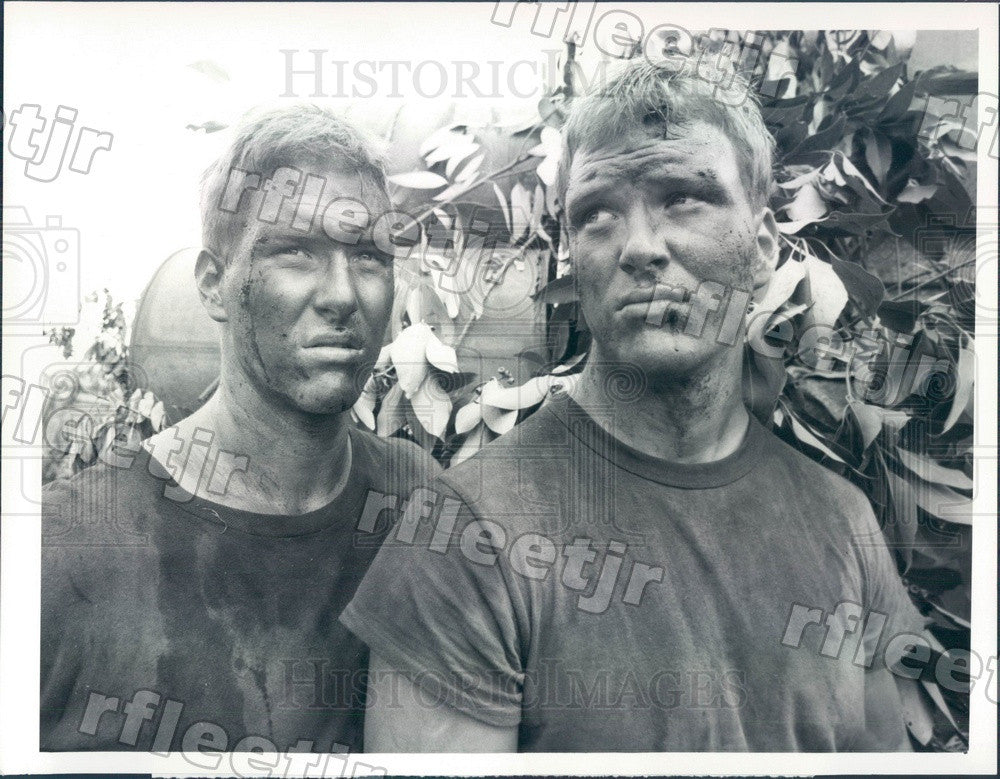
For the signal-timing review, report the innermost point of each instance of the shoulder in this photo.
(812, 480)
(516, 472)
(393, 465)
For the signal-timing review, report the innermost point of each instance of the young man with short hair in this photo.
(190, 590)
(642, 566)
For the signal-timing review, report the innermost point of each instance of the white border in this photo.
(19, 564)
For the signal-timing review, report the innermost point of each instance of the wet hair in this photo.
(660, 99)
(297, 136)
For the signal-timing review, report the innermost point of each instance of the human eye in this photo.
(679, 199)
(371, 257)
(597, 217)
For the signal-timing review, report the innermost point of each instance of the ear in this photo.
(208, 274)
(767, 250)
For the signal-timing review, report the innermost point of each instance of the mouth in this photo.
(661, 295)
(337, 347)
(345, 339)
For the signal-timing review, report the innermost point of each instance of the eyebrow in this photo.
(704, 181)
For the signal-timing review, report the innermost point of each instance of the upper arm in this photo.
(401, 719)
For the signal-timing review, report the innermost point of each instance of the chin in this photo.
(324, 397)
(662, 353)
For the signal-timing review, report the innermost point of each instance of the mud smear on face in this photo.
(245, 292)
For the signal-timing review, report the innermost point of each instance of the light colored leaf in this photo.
(965, 377)
(440, 355)
(391, 416)
(472, 444)
(409, 357)
(869, 419)
(808, 205)
(452, 192)
(504, 207)
(915, 192)
(515, 398)
(432, 406)
(930, 470)
(791, 228)
(364, 408)
(470, 170)
(156, 416)
(828, 292)
(467, 417)
(498, 420)
(520, 211)
(436, 138)
(806, 436)
(783, 283)
(419, 179)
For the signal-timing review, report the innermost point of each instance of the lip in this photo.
(344, 341)
(648, 295)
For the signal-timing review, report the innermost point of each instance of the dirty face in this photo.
(307, 303)
(652, 216)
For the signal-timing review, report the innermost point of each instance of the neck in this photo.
(250, 455)
(692, 417)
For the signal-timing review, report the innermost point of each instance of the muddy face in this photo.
(655, 213)
(307, 302)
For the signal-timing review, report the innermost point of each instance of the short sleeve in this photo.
(884, 591)
(436, 608)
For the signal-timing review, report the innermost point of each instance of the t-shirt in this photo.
(167, 618)
(604, 600)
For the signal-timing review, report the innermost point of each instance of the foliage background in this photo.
(878, 244)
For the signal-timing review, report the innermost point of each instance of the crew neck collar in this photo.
(586, 429)
(346, 504)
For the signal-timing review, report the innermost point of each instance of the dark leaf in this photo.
(880, 84)
(878, 154)
(763, 380)
(854, 224)
(900, 315)
(866, 290)
(561, 290)
(947, 80)
(823, 140)
(899, 103)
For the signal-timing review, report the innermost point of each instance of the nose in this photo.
(335, 297)
(644, 255)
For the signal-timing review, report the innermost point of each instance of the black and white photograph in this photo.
(607, 387)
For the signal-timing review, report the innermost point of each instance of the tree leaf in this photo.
(806, 436)
(432, 406)
(965, 377)
(520, 211)
(468, 416)
(391, 415)
(866, 291)
(473, 442)
(558, 291)
(869, 419)
(900, 315)
(878, 154)
(915, 192)
(829, 295)
(504, 206)
(440, 355)
(419, 179)
(409, 357)
(470, 170)
(880, 84)
(931, 471)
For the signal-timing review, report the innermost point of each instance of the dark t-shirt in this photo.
(221, 616)
(604, 600)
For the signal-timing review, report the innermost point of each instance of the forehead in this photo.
(320, 185)
(698, 149)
